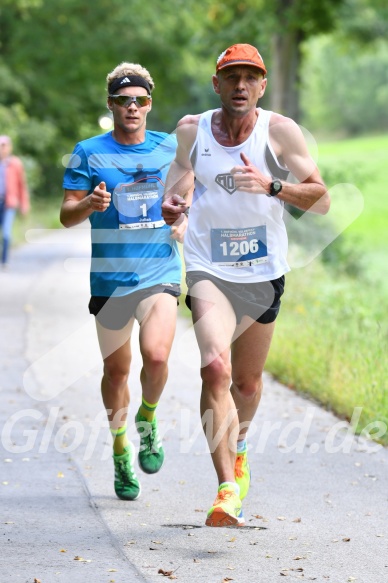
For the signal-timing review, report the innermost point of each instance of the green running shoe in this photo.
(127, 486)
(151, 452)
(226, 509)
(242, 473)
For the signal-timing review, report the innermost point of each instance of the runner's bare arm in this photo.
(180, 177)
(77, 206)
(290, 146)
(291, 150)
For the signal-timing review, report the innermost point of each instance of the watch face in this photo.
(277, 185)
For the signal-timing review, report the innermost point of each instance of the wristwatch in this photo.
(275, 187)
(187, 211)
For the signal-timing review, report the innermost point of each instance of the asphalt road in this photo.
(317, 509)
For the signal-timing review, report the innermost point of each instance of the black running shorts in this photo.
(260, 301)
(116, 313)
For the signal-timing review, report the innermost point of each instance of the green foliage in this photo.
(351, 94)
(363, 21)
(362, 162)
(308, 17)
(57, 83)
(11, 87)
(54, 58)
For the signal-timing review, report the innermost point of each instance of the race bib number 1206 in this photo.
(239, 247)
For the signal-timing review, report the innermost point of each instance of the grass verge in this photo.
(331, 342)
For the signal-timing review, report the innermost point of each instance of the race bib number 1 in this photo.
(239, 247)
(138, 205)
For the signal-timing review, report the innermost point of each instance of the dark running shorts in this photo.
(260, 301)
(117, 313)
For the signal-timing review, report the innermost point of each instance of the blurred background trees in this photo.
(327, 65)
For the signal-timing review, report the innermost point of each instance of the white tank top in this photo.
(234, 235)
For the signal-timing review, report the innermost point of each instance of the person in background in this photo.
(14, 193)
(116, 180)
(235, 251)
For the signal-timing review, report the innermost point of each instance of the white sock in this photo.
(231, 486)
(241, 446)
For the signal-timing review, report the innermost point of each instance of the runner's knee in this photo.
(217, 372)
(155, 361)
(117, 378)
(248, 388)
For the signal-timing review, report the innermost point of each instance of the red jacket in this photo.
(16, 192)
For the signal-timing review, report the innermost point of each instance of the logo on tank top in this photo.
(206, 152)
(226, 181)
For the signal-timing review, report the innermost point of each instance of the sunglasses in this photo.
(127, 100)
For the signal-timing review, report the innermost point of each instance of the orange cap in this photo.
(241, 54)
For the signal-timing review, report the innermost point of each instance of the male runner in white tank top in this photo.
(235, 249)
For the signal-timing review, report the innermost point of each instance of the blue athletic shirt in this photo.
(131, 244)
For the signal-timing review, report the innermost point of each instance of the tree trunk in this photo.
(284, 73)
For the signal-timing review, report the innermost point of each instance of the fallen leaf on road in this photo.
(60, 475)
(297, 520)
(281, 518)
(165, 573)
(37, 581)
(257, 516)
(112, 570)
(77, 558)
(345, 540)
(226, 579)
(298, 558)
(157, 542)
(63, 551)
(197, 561)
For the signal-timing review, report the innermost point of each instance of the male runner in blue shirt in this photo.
(116, 181)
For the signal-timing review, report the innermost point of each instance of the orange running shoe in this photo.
(226, 509)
